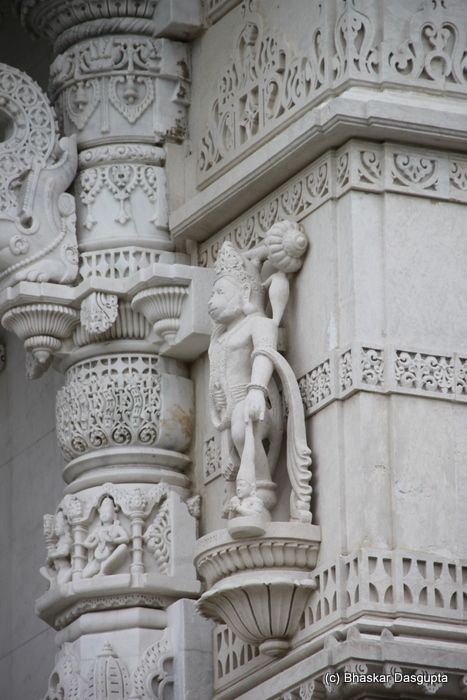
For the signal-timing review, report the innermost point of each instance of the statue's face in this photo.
(243, 488)
(226, 302)
(107, 511)
(60, 527)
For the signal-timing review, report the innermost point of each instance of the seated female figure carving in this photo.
(107, 544)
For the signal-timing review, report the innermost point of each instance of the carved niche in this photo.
(37, 215)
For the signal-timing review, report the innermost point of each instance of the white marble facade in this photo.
(257, 492)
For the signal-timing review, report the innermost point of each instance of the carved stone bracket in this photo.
(42, 327)
(162, 307)
(259, 587)
(37, 308)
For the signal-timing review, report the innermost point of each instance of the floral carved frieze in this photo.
(385, 370)
(120, 180)
(109, 84)
(261, 85)
(130, 406)
(121, 199)
(359, 165)
(351, 41)
(109, 401)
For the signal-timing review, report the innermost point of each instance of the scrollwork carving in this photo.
(109, 81)
(37, 215)
(153, 677)
(262, 84)
(99, 311)
(121, 180)
(354, 43)
(157, 537)
(435, 51)
(426, 372)
(109, 401)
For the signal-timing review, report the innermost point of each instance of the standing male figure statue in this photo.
(244, 397)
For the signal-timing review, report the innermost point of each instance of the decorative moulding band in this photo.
(359, 165)
(372, 368)
(419, 587)
(386, 370)
(255, 96)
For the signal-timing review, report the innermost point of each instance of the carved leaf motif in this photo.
(353, 39)
(435, 51)
(99, 312)
(80, 101)
(158, 537)
(91, 183)
(122, 179)
(131, 95)
(261, 84)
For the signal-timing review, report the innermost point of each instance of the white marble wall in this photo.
(30, 468)
(30, 484)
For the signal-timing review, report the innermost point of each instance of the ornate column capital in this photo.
(65, 22)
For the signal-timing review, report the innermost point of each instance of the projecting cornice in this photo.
(279, 103)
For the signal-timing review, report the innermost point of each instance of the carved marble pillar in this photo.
(119, 546)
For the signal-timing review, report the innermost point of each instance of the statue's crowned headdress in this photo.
(232, 263)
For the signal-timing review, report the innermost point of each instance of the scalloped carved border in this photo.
(259, 89)
(358, 165)
(386, 370)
